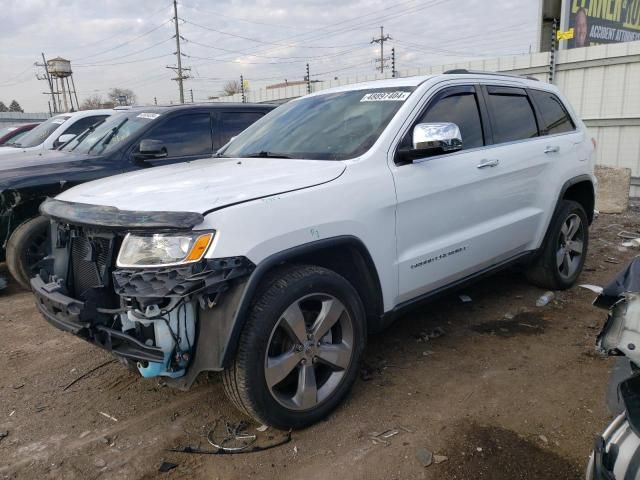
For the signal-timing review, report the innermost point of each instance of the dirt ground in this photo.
(510, 391)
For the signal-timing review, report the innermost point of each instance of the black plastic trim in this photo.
(573, 181)
(114, 218)
(433, 294)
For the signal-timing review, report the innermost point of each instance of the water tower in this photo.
(59, 71)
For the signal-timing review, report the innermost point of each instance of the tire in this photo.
(559, 263)
(25, 248)
(285, 322)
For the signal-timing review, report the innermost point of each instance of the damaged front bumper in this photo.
(173, 321)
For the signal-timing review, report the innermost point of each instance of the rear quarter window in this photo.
(555, 117)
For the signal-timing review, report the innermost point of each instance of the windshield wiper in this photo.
(106, 138)
(265, 154)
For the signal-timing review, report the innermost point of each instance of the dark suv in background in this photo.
(141, 137)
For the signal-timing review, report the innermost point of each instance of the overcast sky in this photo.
(126, 43)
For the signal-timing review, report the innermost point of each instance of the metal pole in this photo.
(69, 91)
(308, 80)
(53, 97)
(244, 100)
(191, 92)
(75, 94)
(175, 18)
(393, 62)
(552, 53)
(381, 49)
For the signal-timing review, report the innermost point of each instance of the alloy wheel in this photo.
(570, 246)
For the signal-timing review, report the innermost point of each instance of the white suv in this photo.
(318, 224)
(56, 131)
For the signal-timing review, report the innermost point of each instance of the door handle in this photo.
(488, 163)
(552, 149)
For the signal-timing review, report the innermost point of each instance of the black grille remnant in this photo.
(207, 276)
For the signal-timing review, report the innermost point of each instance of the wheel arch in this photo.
(580, 189)
(346, 255)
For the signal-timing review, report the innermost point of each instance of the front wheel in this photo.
(563, 254)
(300, 348)
(26, 248)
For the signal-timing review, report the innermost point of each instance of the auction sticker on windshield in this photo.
(386, 97)
(150, 116)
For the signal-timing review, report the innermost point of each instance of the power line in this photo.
(124, 43)
(106, 61)
(126, 63)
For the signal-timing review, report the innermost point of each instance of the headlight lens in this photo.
(163, 249)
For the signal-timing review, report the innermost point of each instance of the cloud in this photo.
(128, 44)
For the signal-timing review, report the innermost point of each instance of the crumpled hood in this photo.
(205, 184)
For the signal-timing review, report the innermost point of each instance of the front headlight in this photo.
(163, 249)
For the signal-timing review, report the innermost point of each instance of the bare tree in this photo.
(122, 96)
(231, 87)
(95, 101)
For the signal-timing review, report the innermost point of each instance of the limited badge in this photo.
(149, 116)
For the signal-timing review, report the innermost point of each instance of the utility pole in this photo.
(191, 92)
(552, 53)
(179, 70)
(49, 81)
(381, 41)
(155, 100)
(393, 62)
(244, 99)
(308, 78)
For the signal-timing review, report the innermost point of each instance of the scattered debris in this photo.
(100, 463)
(85, 433)
(108, 416)
(4, 434)
(12, 412)
(543, 439)
(3, 283)
(425, 336)
(424, 456)
(295, 449)
(366, 373)
(509, 316)
(545, 299)
(382, 438)
(635, 243)
(166, 466)
(628, 235)
(18, 386)
(86, 374)
(426, 353)
(440, 458)
(233, 438)
(593, 288)
(465, 298)
(40, 408)
(611, 260)
(479, 449)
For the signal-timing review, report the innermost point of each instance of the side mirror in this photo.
(150, 148)
(62, 139)
(432, 139)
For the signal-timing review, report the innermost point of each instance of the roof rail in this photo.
(461, 71)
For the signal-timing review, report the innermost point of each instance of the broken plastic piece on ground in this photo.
(108, 416)
(166, 466)
(424, 456)
(89, 372)
(440, 458)
(545, 299)
(465, 298)
(634, 243)
(628, 235)
(4, 434)
(383, 437)
(593, 288)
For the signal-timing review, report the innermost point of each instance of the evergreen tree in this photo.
(15, 107)
(3, 107)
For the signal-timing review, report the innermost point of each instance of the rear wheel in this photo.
(27, 247)
(299, 351)
(564, 252)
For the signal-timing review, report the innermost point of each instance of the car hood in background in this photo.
(5, 150)
(204, 185)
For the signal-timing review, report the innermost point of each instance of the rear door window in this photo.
(232, 123)
(554, 116)
(512, 115)
(185, 135)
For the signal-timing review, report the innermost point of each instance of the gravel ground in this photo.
(510, 391)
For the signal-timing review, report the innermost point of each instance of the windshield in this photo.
(333, 126)
(39, 134)
(107, 135)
